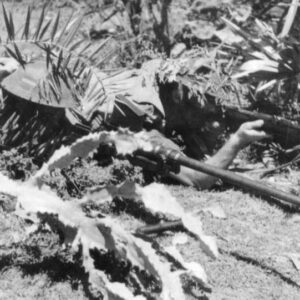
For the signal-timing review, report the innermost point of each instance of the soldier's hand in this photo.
(250, 132)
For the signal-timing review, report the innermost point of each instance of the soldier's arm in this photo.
(248, 132)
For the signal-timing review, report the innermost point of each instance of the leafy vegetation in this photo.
(104, 236)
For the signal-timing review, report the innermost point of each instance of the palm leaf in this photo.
(99, 48)
(75, 66)
(60, 59)
(19, 55)
(83, 68)
(44, 30)
(11, 53)
(7, 23)
(48, 55)
(54, 89)
(58, 40)
(12, 26)
(55, 26)
(65, 63)
(27, 24)
(76, 45)
(40, 23)
(73, 31)
(84, 49)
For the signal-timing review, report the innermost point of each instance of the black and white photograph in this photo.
(149, 150)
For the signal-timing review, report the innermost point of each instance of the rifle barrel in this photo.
(230, 177)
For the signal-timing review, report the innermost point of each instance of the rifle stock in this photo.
(284, 132)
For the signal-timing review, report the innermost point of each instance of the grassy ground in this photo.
(255, 240)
